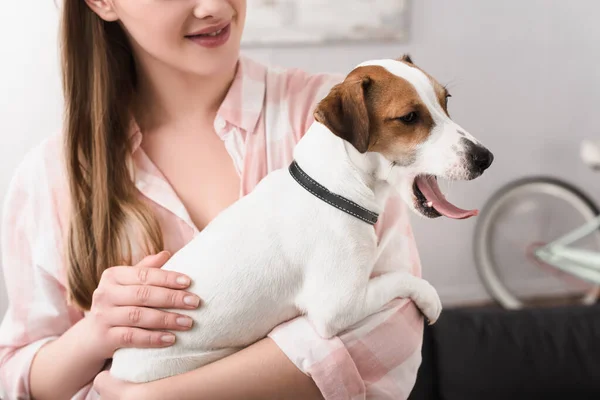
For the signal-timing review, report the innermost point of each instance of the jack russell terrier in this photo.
(305, 243)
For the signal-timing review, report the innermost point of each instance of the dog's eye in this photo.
(448, 95)
(409, 118)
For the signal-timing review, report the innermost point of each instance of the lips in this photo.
(210, 31)
(211, 37)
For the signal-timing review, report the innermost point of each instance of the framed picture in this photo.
(306, 22)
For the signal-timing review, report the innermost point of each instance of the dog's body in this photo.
(280, 252)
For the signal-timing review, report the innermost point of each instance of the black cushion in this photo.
(531, 354)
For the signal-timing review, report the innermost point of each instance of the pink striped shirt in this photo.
(264, 114)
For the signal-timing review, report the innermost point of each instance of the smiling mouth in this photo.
(431, 202)
(212, 34)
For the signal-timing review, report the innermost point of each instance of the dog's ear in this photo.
(344, 112)
(406, 58)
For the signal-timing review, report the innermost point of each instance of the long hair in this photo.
(99, 78)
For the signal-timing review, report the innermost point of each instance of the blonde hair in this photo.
(99, 78)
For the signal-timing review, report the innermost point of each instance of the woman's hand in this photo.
(123, 312)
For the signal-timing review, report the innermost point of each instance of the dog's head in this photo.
(395, 109)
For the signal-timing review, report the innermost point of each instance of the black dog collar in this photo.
(330, 198)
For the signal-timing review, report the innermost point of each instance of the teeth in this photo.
(212, 34)
(430, 204)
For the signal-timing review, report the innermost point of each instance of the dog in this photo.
(304, 237)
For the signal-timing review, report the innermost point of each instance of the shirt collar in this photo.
(244, 101)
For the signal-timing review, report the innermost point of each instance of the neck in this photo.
(166, 96)
(338, 166)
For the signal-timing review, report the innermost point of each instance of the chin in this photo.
(223, 64)
(215, 61)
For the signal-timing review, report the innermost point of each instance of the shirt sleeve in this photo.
(379, 357)
(31, 259)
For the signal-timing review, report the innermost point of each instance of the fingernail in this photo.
(183, 321)
(183, 280)
(191, 301)
(168, 338)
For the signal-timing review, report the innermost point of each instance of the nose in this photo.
(209, 10)
(481, 157)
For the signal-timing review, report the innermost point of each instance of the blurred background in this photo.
(523, 74)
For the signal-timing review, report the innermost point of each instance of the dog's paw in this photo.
(427, 300)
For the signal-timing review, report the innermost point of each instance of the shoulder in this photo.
(37, 194)
(298, 87)
(35, 210)
(289, 84)
(291, 95)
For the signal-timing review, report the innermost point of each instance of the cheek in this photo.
(401, 144)
(152, 25)
(240, 8)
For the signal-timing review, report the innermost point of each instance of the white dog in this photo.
(304, 238)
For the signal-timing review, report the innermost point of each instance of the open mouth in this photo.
(431, 202)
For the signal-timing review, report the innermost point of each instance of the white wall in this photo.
(524, 77)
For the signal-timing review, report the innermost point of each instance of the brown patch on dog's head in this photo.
(344, 111)
(376, 110)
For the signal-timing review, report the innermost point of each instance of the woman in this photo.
(213, 125)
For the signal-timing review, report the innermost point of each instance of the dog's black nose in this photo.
(478, 157)
(482, 157)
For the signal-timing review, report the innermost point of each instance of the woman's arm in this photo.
(261, 371)
(37, 312)
(45, 348)
(65, 365)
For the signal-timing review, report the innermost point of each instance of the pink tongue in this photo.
(429, 187)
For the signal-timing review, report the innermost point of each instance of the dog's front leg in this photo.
(335, 317)
(384, 288)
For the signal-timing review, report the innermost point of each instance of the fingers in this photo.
(147, 276)
(153, 296)
(148, 318)
(121, 336)
(155, 260)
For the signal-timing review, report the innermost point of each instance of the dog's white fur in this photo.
(280, 251)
